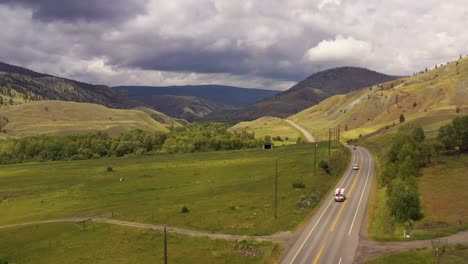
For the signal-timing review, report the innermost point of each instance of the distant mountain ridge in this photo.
(195, 101)
(308, 92)
(20, 85)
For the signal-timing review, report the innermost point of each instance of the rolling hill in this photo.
(61, 118)
(431, 99)
(195, 101)
(309, 92)
(19, 85)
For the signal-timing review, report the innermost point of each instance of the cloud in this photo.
(340, 49)
(87, 10)
(253, 43)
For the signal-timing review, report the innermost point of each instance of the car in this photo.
(339, 195)
(355, 166)
(354, 147)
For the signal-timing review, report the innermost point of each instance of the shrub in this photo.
(298, 185)
(184, 210)
(324, 165)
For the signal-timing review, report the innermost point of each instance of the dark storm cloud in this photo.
(251, 43)
(88, 10)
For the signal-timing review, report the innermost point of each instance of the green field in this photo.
(66, 243)
(225, 192)
(457, 254)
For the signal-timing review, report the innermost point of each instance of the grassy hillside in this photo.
(431, 98)
(157, 187)
(269, 126)
(103, 243)
(19, 85)
(185, 107)
(60, 118)
(163, 118)
(311, 91)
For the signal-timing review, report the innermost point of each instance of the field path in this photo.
(369, 248)
(276, 237)
(309, 137)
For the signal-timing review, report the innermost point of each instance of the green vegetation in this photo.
(225, 191)
(403, 164)
(191, 138)
(452, 254)
(440, 186)
(103, 243)
(455, 134)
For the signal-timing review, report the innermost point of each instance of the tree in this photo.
(447, 137)
(402, 118)
(460, 125)
(404, 201)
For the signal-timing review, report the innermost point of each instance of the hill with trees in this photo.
(19, 85)
(309, 92)
(431, 98)
(195, 101)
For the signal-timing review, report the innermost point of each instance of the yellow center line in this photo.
(317, 258)
(349, 194)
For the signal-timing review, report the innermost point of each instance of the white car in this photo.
(339, 195)
(355, 166)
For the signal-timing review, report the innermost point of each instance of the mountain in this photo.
(62, 118)
(19, 85)
(195, 101)
(309, 92)
(432, 99)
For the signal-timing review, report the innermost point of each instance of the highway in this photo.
(332, 234)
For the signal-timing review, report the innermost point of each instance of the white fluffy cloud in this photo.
(254, 43)
(340, 49)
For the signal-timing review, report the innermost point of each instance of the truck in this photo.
(339, 195)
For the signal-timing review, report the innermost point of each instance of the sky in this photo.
(268, 44)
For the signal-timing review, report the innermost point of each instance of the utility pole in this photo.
(339, 128)
(276, 189)
(165, 245)
(315, 159)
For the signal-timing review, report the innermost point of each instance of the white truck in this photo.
(339, 195)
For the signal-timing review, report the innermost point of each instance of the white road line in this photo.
(339, 262)
(362, 194)
(348, 172)
(313, 228)
(303, 243)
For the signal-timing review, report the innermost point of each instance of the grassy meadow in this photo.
(66, 243)
(457, 254)
(225, 191)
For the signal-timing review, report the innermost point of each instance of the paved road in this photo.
(306, 133)
(332, 235)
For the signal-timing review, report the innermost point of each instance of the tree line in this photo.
(407, 155)
(195, 137)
